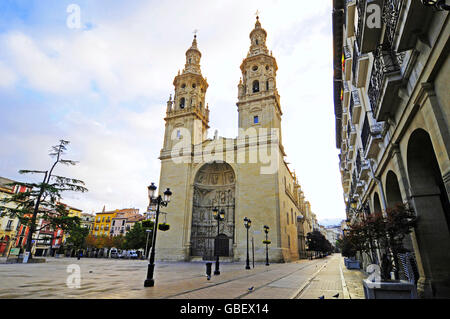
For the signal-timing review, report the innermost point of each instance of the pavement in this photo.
(68, 278)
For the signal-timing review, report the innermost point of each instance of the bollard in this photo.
(208, 269)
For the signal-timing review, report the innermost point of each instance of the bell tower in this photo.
(258, 100)
(187, 116)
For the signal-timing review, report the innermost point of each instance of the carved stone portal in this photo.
(214, 186)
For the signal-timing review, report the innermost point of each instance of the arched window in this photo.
(255, 86)
(182, 103)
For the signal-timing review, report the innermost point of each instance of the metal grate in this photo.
(408, 267)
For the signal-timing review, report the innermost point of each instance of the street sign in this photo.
(14, 251)
(256, 232)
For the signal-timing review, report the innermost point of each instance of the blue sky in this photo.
(104, 87)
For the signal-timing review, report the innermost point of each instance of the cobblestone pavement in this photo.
(110, 278)
(334, 281)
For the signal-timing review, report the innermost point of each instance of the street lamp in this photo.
(438, 4)
(247, 224)
(266, 230)
(155, 203)
(219, 216)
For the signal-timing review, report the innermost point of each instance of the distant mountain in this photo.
(330, 221)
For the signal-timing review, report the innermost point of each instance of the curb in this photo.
(344, 284)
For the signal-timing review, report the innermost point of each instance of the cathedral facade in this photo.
(244, 176)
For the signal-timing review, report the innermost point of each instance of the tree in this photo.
(384, 232)
(91, 241)
(317, 242)
(78, 236)
(43, 200)
(135, 238)
(118, 242)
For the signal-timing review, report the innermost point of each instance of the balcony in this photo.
(385, 81)
(359, 68)
(350, 153)
(355, 107)
(345, 94)
(347, 63)
(350, 18)
(367, 35)
(360, 187)
(375, 141)
(344, 115)
(413, 23)
(365, 170)
(351, 131)
(349, 164)
(344, 145)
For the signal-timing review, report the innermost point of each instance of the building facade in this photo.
(392, 110)
(245, 176)
(10, 228)
(103, 221)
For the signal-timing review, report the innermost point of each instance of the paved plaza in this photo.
(115, 278)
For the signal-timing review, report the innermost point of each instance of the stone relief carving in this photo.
(209, 192)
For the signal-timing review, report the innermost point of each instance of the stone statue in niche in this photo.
(214, 178)
(222, 197)
(230, 196)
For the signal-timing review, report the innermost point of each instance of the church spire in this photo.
(193, 56)
(258, 40)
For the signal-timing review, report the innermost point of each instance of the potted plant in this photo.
(386, 233)
(163, 227)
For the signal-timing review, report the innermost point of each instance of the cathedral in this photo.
(245, 177)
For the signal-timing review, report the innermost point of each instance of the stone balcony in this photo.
(350, 153)
(355, 107)
(365, 170)
(352, 135)
(360, 187)
(375, 141)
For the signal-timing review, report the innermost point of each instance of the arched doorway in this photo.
(376, 203)
(393, 195)
(214, 186)
(431, 203)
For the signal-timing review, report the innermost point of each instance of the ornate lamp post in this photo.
(266, 230)
(219, 216)
(247, 224)
(438, 4)
(155, 202)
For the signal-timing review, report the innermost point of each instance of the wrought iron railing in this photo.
(385, 61)
(361, 7)
(347, 52)
(350, 107)
(355, 61)
(358, 163)
(365, 133)
(391, 10)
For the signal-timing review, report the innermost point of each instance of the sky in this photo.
(103, 85)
